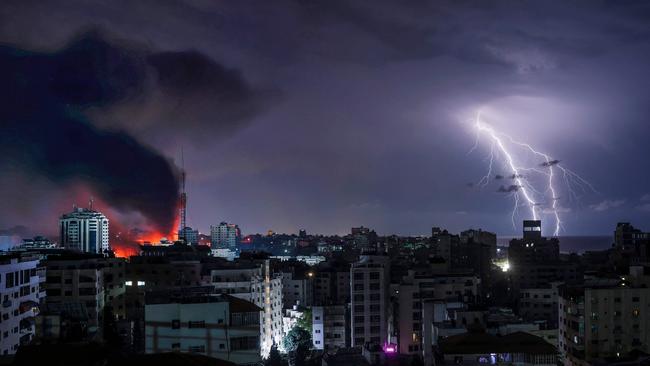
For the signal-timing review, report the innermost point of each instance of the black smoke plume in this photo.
(45, 130)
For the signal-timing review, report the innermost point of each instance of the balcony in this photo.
(27, 325)
(26, 306)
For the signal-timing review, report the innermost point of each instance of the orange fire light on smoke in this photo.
(154, 237)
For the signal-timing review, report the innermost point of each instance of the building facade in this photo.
(21, 295)
(222, 327)
(78, 281)
(604, 318)
(260, 285)
(369, 312)
(224, 235)
(84, 230)
(330, 327)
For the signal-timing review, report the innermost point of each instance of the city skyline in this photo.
(324, 182)
(323, 131)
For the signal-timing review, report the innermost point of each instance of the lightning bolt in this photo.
(524, 190)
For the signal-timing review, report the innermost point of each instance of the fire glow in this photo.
(127, 242)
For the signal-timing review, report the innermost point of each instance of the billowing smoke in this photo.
(48, 108)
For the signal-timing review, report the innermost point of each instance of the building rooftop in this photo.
(480, 342)
(199, 295)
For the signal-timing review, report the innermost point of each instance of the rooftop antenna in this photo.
(183, 208)
(90, 203)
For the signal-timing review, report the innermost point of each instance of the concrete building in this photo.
(84, 230)
(21, 293)
(297, 289)
(476, 250)
(114, 271)
(414, 292)
(157, 272)
(37, 242)
(330, 327)
(631, 245)
(258, 283)
(77, 280)
(191, 236)
(224, 235)
(477, 348)
(540, 304)
(532, 247)
(219, 326)
(370, 277)
(604, 318)
(331, 284)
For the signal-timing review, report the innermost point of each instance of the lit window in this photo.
(140, 283)
(129, 283)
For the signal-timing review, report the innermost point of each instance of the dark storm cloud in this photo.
(45, 132)
(498, 177)
(375, 95)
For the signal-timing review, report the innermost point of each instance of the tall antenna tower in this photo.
(183, 204)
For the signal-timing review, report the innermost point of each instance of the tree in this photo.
(297, 338)
(305, 321)
(275, 358)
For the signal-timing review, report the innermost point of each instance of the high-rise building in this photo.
(224, 236)
(534, 260)
(533, 248)
(77, 280)
(631, 245)
(477, 248)
(189, 235)
(21, 295)
(332, 283)
(604, 319)
(369, 279)
(84, 230)
(258, 283)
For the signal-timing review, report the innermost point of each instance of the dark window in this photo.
(244, 343)
(197, 324)
(176, 324)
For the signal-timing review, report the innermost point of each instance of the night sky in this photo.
(322, 115)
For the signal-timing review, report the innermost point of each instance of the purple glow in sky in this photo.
(329, 114)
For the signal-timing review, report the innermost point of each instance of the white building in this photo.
(226, 253)
(291, 318)
(263, 288)
(329, 327)
(224, 235)
(21, 295)
(222, 327)
(84, 230)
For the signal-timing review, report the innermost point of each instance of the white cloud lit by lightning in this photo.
(525, 189)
